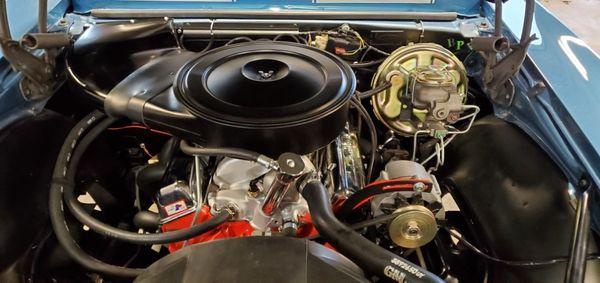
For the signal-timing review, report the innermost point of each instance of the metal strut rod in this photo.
(579, 242)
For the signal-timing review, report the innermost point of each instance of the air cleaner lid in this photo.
(264, 83)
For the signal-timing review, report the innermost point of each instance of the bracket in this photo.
(38, 80)
(497, 73)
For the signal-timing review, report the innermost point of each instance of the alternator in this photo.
(428, 88)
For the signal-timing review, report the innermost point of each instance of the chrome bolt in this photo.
(419, 187)
(413, 230)
(291, 163)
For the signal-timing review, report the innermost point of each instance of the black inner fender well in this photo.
(28, 149)
(517, 198)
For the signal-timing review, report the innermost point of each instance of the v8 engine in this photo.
(226, 151)
(274, 149)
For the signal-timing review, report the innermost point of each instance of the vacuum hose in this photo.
(57, 216)
(63, 185)
(369, 256)
(127, 236)
(237, 153)
(152, 177)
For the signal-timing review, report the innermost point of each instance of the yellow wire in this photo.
(361, 44)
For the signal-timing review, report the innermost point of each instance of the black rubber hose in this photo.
(237, 153)
(374, 91)
(366, 64)
(149, 178)
(55, 206)
(147, 220)
(369, 256)
(127, 236)
(372, 132)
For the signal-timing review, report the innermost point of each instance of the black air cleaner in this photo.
(270, 97)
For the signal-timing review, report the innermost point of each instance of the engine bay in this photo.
(289, 152)
(284, 111)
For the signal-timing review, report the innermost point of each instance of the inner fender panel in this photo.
(517, 198)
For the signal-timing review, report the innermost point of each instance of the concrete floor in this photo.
(581, 16)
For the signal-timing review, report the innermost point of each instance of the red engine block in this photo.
(230, 229)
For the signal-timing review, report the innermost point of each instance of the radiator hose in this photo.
(374, 259)
(116, 233)
(63, 184)
(57, 215)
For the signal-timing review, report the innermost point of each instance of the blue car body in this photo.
(556, 97)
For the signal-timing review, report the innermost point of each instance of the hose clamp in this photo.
(306, 179)
(232, 209)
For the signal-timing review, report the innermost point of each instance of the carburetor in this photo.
(427, 89)
(260, 195)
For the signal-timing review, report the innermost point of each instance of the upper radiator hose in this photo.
(369, 256)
